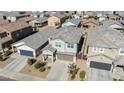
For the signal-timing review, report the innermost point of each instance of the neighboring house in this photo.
(4, 40)
(52, 43)
(105, 45)
(89, 24)
(114, 17)
(56, 20)
(27, 19)
(16, 30)
(39, 22)
(72, 22)
(13, 16)
(2, 22)
(113, 24)
(76, 16)
(37, 14)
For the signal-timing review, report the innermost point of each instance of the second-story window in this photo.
(95, 49)
(121, 51)
(70, 45)
(57, 44)
(99, 50)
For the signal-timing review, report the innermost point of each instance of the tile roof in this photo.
(13, 26)
(38, 39)
(105, 37)
(58, 14)
(74, 21)
(68, 34)
(2, 21)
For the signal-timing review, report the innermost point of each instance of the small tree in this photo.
(82, 75)
(73, 70)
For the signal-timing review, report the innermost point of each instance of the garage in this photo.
(100, 65)
(65, 57)
(26, 53)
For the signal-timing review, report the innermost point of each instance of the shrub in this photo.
(37, 65)
(8, 52)
(82, 75)
(31, 61)
(42, 69)
(1, 58)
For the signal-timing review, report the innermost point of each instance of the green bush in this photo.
(82, 75)
(1, 58)
(8, 52)
(38, 65)
(31, 61)
(42, 69)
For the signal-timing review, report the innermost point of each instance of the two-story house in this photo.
(56, 20)
(16, 30)
(105, 45)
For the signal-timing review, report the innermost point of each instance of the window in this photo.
(95, 49)
(70, 45)
(57, 44)
(101, 50)
(121, 51)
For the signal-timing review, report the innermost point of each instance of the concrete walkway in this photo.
(59, 71)
(12, 70)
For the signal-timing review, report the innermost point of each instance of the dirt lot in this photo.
(30, 70)
(6, 62)
(81, 64)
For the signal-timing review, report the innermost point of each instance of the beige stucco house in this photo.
(105, 45)
(56, 20)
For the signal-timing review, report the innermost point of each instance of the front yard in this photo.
(37, 71)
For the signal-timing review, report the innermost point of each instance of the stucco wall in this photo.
(64, 47)
(112, 53)
(52, 20)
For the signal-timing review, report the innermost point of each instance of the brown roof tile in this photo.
(13, 26)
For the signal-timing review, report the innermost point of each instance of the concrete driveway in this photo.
(59, 71)
(17, 64)
(100, 75)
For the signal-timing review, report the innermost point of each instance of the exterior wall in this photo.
(64, 47)
(12, 19)
(113, 53)
(19, 34)
(53, 20)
